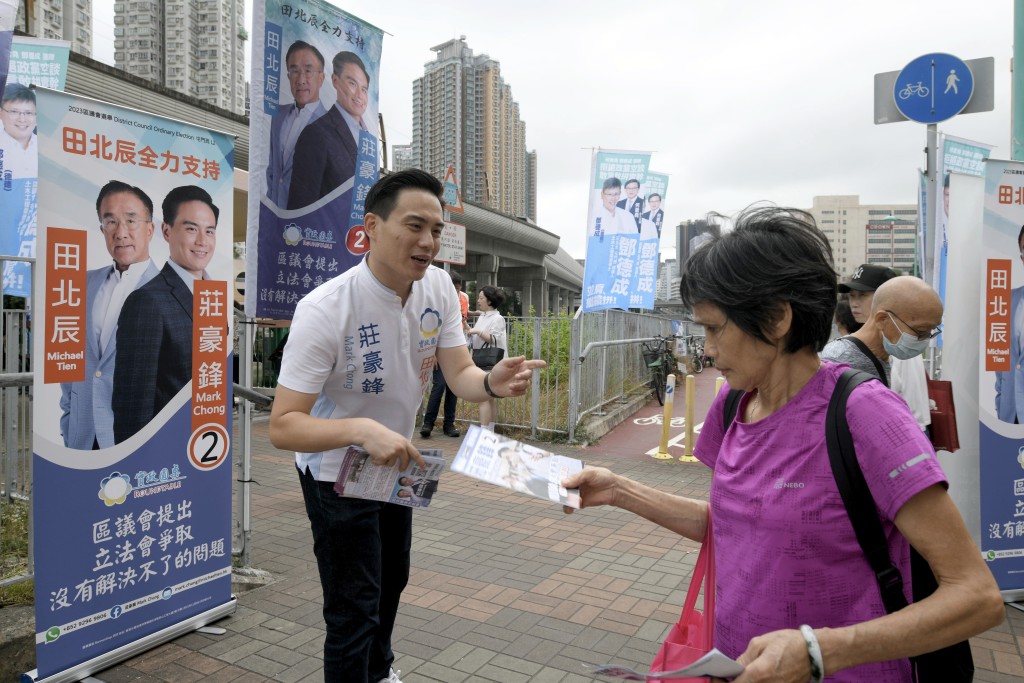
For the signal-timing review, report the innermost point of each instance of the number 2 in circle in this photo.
(208, 447)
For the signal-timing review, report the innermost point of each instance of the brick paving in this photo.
(503, 588)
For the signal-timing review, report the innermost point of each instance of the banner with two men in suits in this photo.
(624, 224)
(313, 141)
(132, 394)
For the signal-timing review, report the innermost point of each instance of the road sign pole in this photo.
(930, 209)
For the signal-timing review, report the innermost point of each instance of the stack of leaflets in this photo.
(513, 465)
(413, 487)
(712, 665)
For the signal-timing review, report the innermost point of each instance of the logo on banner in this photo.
(292, 234)
(114, 489)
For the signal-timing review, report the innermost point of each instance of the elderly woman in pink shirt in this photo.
(796, 598)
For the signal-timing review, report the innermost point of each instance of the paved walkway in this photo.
(503, 588)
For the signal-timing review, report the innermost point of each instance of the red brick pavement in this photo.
(503, 588)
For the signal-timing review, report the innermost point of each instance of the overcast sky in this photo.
(739, 100)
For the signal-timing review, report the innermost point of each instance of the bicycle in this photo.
(659, 359)
(698, 359)
(920, 89)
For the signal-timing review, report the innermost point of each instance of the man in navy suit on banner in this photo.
(305, 66)
(654, 213)
(633, 203)
(126, 221)
(154, 333)
(326, 152)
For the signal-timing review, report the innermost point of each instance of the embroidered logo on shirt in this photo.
(783, 484)
(908, 464)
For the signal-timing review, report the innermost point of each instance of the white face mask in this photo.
(908, 345)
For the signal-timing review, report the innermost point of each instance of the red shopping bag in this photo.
(693, 635)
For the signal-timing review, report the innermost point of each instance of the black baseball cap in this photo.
(867, 278)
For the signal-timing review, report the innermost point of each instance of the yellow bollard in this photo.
(691, 393)
(666, 419)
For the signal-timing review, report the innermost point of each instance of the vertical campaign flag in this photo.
(44, 63)
(1001, 377)
(132, 392)
(654, 212)
(618, 236)
(313, 140)
(958, 156)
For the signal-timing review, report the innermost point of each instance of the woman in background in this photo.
(489, 329)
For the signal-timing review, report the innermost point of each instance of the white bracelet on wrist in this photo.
(814, 651)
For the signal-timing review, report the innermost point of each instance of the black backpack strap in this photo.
(732, 404)
(860, 505)
(863, 348)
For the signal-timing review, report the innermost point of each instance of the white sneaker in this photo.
(392, 677)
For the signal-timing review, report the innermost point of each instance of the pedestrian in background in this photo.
(489, 331)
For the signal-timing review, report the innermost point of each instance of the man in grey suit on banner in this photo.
(305, 66)
(126, 221)
(154, 333)
(327, 149)
(1010, 384)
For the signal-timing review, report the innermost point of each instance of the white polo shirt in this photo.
(353, 343)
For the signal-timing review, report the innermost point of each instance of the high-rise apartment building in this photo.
(464, 114)
(196, 47)
(867, 233)
(69, 20)
(667, 286)
(402, 157)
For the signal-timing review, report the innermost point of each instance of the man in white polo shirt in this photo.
(361, 350)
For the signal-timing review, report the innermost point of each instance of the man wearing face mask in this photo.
(905, 314)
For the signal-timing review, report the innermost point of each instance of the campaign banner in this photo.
(619, 238)
(958, 156)
(654, 190)
(132, 389)
(44, 63)
(313, 149)
(1001, 377)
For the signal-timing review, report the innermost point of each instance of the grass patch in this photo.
(14, 552)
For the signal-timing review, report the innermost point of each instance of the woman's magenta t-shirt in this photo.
(785, 550)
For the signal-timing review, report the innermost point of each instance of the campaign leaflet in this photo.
(412, 487)
(517, 466)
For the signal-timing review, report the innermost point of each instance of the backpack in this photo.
(952, 664)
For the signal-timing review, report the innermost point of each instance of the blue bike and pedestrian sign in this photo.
(933, 88)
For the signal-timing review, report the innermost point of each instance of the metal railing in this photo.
(16, 553)
(593, 361)
(607, 363)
